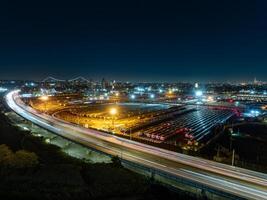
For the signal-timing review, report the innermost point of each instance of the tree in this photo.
(20, 159)
(116, 161)
(6, 155)
(25, 159)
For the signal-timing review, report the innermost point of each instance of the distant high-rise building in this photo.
(113, 84)
(255, 81)
(104, 84)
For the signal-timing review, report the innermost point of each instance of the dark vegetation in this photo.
(32, 169)
(249, 142)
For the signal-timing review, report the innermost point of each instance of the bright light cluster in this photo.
(3, 89)
(113, 111)
(199, 93)
(44, 98)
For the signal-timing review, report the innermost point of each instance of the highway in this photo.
(231, 180)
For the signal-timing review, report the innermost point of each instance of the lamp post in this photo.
(44, 99)
(113, 112)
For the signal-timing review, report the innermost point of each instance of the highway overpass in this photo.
(222, 179)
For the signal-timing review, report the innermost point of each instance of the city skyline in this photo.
(99, 79)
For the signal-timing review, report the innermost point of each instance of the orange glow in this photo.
(113, 111)
(44, 98)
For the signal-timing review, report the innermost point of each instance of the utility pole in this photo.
(233, 157)
(231, 142)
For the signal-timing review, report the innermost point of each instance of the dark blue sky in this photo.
(135, 40)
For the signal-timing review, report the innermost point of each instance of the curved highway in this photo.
(228, 179)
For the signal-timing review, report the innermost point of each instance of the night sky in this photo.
(135, 40)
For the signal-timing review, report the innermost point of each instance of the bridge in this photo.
(51, 79)
(79, 79)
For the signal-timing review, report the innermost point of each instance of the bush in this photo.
(6, 155)
(25, 159)
(116, 162)
(20, 159)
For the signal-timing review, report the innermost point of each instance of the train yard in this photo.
(178, 125)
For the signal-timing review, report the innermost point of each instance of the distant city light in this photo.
(132, 96)
(237, 103)
(210, 99)
(252, 113)
(198, 93)
(140, 89)
(30, 84)
(152, 96)
(3, 89)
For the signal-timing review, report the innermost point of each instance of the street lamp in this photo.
(44, 99)
(113, 112)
